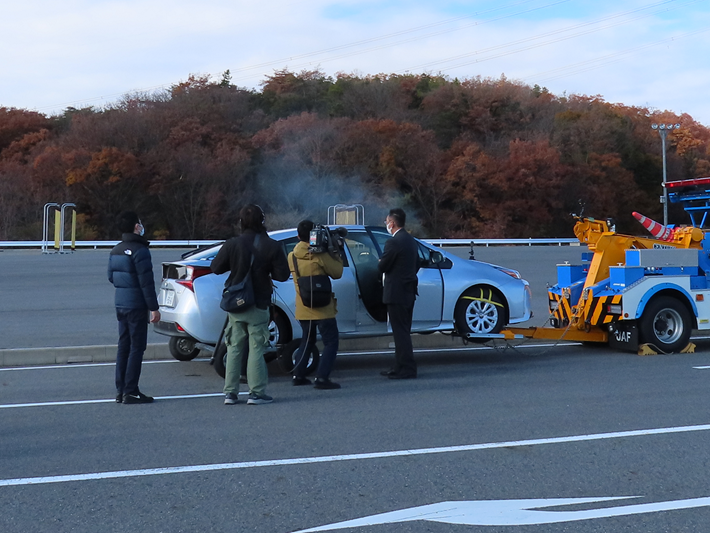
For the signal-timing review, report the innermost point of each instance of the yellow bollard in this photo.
(57, 229)
(73, 230)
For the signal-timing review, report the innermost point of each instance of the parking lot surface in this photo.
(66, 300)
(464, 448)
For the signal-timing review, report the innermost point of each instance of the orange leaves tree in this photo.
(473, 157)
(514, 195)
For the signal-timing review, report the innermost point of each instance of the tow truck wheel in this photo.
(480, 310)
(666, 323)
(183, 348)
(288, 357)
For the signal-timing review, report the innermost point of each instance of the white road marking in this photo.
(511, 512)
(463, 348)
(111, 400)
(701, 367)
(349, 457)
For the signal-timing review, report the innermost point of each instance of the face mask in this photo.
(142, 232)
(390, 227)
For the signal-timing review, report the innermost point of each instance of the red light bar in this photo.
(687, 183)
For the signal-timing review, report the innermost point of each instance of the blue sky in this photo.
(646, 53)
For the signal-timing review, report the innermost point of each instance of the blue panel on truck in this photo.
(698, 283)
(568, 274)
(620, 277)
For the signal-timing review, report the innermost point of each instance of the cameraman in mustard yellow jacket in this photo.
(303, 263)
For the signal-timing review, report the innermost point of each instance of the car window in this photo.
(361, 247)
(289, 244)
(203, 254)
(424, 256)
(380, 235)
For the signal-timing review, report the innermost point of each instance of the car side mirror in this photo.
(436, 258)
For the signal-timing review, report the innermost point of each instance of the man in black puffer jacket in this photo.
(130, 269)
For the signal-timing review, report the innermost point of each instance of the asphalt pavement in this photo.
(60, 300)
(536, 439)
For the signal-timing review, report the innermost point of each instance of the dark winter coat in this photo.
(400, 264)
(130, 269)
(269, 263)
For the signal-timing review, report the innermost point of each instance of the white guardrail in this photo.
(197, 244)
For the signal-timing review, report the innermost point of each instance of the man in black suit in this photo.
(400, 263)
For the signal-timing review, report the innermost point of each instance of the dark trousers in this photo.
(132, 341)
(400, 317)
(328, 328)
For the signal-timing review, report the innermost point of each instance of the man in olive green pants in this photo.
(247, 332)
(247, 335)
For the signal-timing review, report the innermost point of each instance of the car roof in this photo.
(210, 250)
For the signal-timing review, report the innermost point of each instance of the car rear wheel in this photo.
(183, 348)
(220, 360)
(480, 310)
(290, 354)
(666, 323)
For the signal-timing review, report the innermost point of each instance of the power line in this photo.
(342, 47)
(480, 52)
(556, 32)
(591, 64)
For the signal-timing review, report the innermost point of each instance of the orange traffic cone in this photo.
(657, 230)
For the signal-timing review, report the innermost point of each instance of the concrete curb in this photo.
(107, 354)
(72, 354)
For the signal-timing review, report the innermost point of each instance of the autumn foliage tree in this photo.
(474, 157)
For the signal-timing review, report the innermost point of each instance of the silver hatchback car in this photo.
(456, 295)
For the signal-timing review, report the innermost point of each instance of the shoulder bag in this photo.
(315, 291)
(240, 296)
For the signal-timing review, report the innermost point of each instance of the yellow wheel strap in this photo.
(483, 299)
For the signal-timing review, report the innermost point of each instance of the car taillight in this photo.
(191, 274)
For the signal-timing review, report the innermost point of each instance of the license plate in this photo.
(169, 298)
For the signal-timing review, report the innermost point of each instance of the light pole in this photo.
(663, 130)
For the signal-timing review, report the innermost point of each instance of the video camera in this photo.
(323, 239)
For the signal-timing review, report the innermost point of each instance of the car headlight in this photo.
(513, 273)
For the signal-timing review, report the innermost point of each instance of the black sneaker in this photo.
(297, 382)
(259, 399)
(326, 384)
(119, 397)
(137, 397)
(230, 398)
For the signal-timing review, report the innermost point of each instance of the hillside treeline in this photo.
(485, 158)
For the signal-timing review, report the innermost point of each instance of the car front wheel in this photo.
(279, 331)
(290, 355)
(480, 311)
